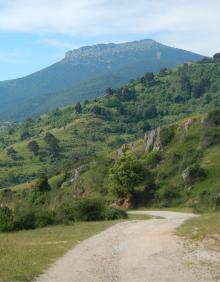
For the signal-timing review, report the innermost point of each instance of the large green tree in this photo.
(126, 173)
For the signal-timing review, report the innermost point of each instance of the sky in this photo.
(36, 33)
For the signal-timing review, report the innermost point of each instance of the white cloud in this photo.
(58, 43)
(176, 22)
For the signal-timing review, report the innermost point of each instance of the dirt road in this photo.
(133, 251)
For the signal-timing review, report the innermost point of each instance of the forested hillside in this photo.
(149, 143)
(84, 73)
(66, 138)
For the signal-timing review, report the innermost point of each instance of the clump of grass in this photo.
(205, 228)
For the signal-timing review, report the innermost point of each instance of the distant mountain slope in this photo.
(85, 73)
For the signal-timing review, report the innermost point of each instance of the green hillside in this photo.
(154, 142)
(105, 123)
(85, 73)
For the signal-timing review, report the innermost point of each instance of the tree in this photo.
(52, 142)
(148, 79)
(109, 91)
(12, 153)
(42, 184)
(200, 87)
(150, 111)
(163, 71)
(24, 135)
(216, 58)
(126, 173)
(78, 108)
(126, 94)
(34, 147)
(97, 110)
(185, 83)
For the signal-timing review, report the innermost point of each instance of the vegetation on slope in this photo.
(176, 164)
(79, 135)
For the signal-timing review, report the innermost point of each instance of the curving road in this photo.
(133, 251)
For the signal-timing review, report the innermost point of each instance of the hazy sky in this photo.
(36, 33)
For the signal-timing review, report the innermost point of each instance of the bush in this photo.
(168, 196)
(44, 218)
(153, 158)
(208, 201)
(42, 184)
(113, 214)
(24, 219)
(6, 219)
(193, 173)
(66, 212)
(166, 135)
(211, 135)
(38, 198)
(213, 117)
(89, 209)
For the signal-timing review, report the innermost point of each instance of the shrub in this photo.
(216, 58)
(193, 173)
(44, 218)
(213, 117)
(11, 152)
(34, 147)
(38, 198)
(89, 209)
(168, 196)
(153, 158)
(24, 219)
(42, 184)
(166, 135)
(6, 219)
(211, 135)
(189, 157)
(113, 214)
(66, 212)
(208, 201)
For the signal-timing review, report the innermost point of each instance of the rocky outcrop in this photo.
(152, 140)
(187, 124)
(193, 173)
(123, 148)
(75, 175)
(121, 203)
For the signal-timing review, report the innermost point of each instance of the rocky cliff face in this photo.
(109, 51)
(152, 140)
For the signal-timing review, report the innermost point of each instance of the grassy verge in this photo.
(174, 209)
(205, 229)
(25, 254)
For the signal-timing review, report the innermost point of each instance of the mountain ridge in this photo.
(69, 80)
